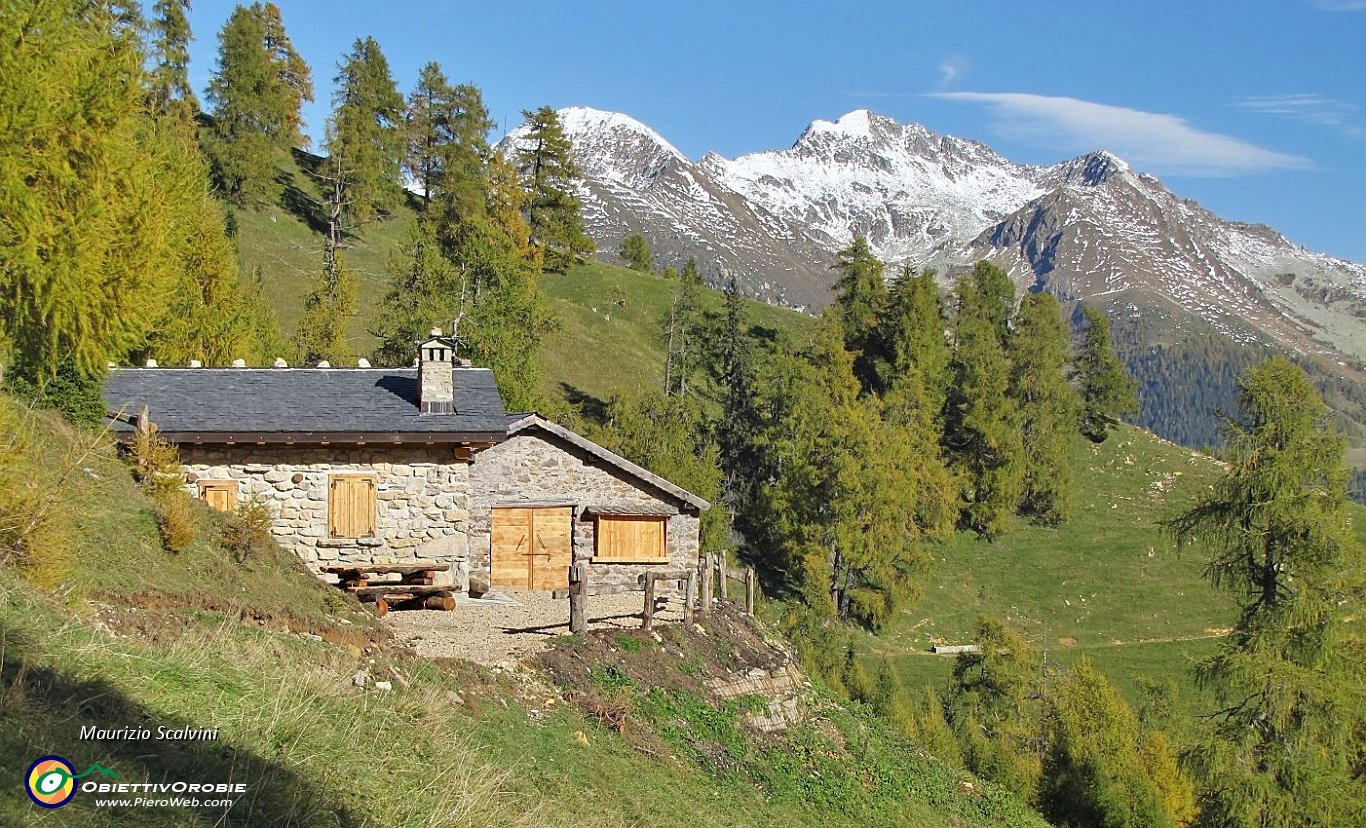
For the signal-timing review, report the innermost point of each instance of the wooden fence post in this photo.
(647, 621)
(689, 595)
(707, 574)
(721, 573)
(749, 591)
(578, 596)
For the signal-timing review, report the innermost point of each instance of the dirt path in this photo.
(502, 632)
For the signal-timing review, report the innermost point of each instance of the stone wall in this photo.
(422, 499)
(536, 467)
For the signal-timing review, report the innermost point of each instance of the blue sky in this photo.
(1257, 109)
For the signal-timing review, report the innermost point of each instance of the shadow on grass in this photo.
(592, 408)
(44, 710)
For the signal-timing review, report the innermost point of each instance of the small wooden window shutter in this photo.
(636, 538)
(351, 506)
(219, 494)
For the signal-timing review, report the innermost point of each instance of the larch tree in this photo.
(93, 192)
(366, 137)
(843, 505)
(683, 337)
(914, 334)
(860, 297)
(981, 422)
(1107, 390)
(1101, 767)
(731, 367)
(1047, 408)
(635, 251)
(256, 92)
(448, 150)
(169, 75)
(554, 213)
(1286, 745)
(331, 303)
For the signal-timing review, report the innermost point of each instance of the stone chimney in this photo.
(435, 361)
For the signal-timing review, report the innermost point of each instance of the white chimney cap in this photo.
(194, 363)
(280, 362)
(239, 363)
(324, 364)
(362, 363)
(436, 331)
(151, 363)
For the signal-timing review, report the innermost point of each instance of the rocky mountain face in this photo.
(1086, 229)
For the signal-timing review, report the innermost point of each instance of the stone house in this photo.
(365, 465)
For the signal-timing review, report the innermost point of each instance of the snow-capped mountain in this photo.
(1087, 228)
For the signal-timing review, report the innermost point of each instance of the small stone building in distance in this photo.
(368, 465)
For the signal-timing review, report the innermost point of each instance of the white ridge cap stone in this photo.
(280, 362)
(239, 363)
(194, 363)
(151, 363)
(362, 363)
(324, 364)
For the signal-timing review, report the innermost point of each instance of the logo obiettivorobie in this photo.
(51, 781)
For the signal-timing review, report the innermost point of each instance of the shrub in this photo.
(247, 532)
(176, 521)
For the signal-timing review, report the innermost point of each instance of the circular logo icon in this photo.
(51, 782)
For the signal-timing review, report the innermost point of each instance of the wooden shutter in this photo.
(351, 506)
(219, 494)
(632, 538)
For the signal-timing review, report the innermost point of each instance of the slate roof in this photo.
(522, 422)
(214, 404)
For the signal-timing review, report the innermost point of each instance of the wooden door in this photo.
(532, 548)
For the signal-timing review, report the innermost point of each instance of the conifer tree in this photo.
(668, 436)
(448, 149)
(1047, 406)
(995, 707)
(424, 292)
(989, 295)
(1285, 747)
(256, 93)
(546, 163)
(94, 192)
(635, 251)
(860, 297)
(1100, 767)
(914, 335)
(732, 373)
(682, 337)
(329, 306)
(690, 272)
(366, 137)
(981, 425)
(844, 509)
(169, 77)
(1107, 390)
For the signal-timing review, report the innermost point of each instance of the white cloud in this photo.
(1313, 109)
(953, 68)
(1160, 143)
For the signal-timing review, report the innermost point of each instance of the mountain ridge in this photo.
(1088, 227)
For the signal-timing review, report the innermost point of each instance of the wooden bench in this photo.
(413, 590)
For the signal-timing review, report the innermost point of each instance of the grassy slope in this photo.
(137, 637)
(1108, 583)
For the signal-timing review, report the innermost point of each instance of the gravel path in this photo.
(500, 632)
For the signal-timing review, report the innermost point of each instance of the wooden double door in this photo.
(532, 547)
